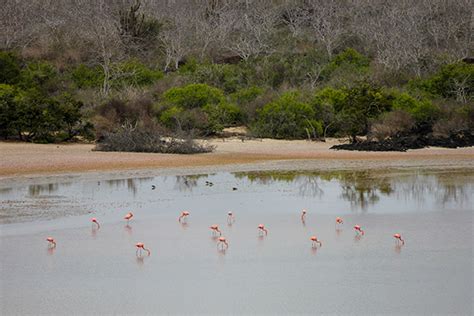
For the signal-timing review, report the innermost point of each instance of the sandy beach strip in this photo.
(20, 159)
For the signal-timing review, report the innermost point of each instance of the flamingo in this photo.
(128, 217)
(339, 221)
(222, 242)
(215, 229)
(230, 217)
(262, 228)
(358, 230)
(94, 220)
(315, 240)
(303, 214)
(183, 216)
(141, 246)
(52, 242)
(399, 239)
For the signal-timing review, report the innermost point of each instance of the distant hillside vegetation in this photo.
(388, 70)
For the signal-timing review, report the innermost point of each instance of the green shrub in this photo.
(134, 73)
(350, 57)
(287, 117)
(39, 75)
(423, 111)
(193, 96)
(336, 98)
(287, 69)
(189, 66)
(8, 109)
(179, 119)
(222, 115)
(70, 119)
(348, 61)
(170, 117)
(364, 102)
(326, 103)
(9, 68)
(229, 78)
(451, 81)
(87, 77)
(246, 95)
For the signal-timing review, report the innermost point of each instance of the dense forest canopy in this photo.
(284, 69)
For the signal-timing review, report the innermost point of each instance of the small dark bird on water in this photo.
(234, 189)
(153, 187)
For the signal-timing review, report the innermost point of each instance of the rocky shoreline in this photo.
(403, 143)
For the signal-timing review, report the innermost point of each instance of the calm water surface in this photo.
(96, 271)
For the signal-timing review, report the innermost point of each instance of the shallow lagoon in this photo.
(97, 272)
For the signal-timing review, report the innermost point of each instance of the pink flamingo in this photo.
(339, 221)
(52, 242)
(262, 229)
(358, 229)
(399, 239)
(303, 215)
(215, 229)
(183, 216)
(222, 243)
(141, 246)
(315, 240)
(94, 220)
(128, 217)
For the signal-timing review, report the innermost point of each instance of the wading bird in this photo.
(339, 221)
(94, 220)
(183, 216)
(141, 246)
(222, 243)
(358, 229)
(262, 229)
(215, 229)
(230, 217)
(399, 239)
(303, 215)
(315, 241)
(128, 217)
(52, 242)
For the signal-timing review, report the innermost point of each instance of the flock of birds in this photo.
(222, 243)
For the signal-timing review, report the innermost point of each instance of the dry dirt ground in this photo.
(18, 159)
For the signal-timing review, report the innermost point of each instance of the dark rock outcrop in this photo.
(403, 143)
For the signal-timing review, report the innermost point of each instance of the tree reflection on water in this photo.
(130, 183)
(187, 183)
(363, 188)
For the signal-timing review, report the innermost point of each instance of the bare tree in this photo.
(250, 28)
(99, 30)
(19, 23)
(177, 38)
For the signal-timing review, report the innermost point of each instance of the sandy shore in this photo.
(17, 159)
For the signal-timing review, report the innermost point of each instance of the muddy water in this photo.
(96, 271)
